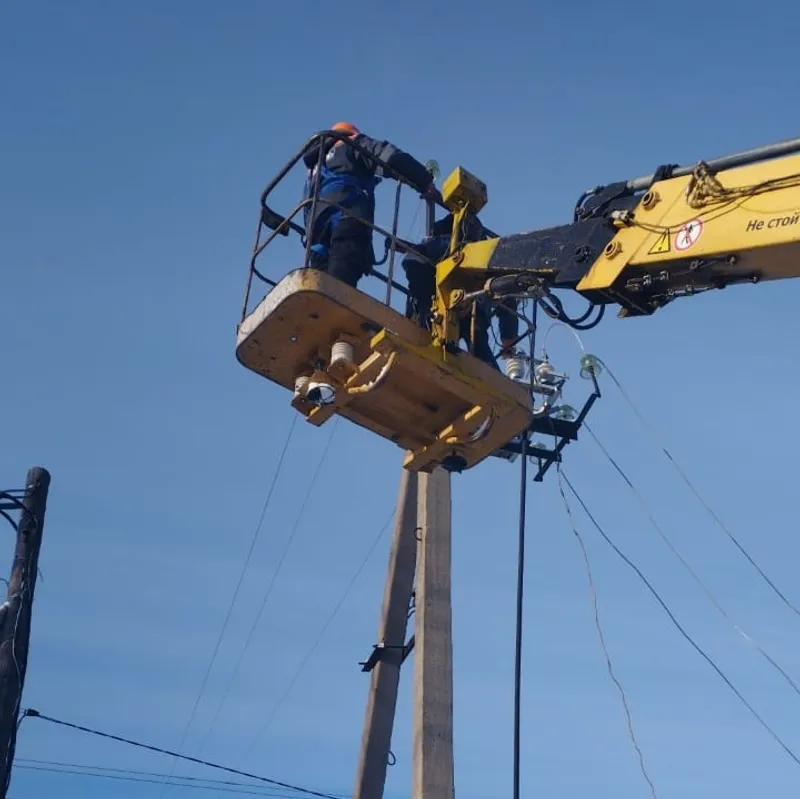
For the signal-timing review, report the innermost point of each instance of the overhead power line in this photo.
(318, 640)
(692, 573)
(240, 581)
(721, 674)
(220, 786)
(271, 585)
(139, 775)
(31, 713)
(604, 648)
(682, 473)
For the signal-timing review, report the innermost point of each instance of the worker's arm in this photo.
(387, 155)
(508, 322)
(311, 155)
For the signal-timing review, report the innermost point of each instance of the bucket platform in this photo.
(339, 351)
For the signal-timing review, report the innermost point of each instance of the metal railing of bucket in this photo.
(284, 225)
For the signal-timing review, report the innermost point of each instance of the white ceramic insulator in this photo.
(342, 352)
(515, 368)
(301, 384)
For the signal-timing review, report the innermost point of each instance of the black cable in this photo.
(692, 573)
(239, 583)
(31, 713)
(523, 496)
(268, 593)
(321, 634)
(554, 308)
(523, 491)
(101, 771)
(602, 638)
(731, 537)
(678, 626)
(221, 786)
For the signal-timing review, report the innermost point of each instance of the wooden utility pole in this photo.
(421, 546)
(432, 766)
(15, 614)
(391, 650)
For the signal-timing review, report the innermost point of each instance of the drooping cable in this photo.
(31, 713)
(239, 582)
(141, 775)
(155, 778)
(701, 584)
(270, 586)
(682, 473)
(599, 627)
(318, 640)
(688, 638)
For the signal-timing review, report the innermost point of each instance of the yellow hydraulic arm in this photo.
(639, 243)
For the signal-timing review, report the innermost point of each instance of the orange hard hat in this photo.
(346, 127)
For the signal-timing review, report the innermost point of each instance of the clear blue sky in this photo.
(136, 138)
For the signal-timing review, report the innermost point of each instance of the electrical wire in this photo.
(220, 786)
(774, 735)
(86, 769)
(519, 607)
(271, 585)
(240, 581)
(682, 473)
(703, 587)
(318, 640)
(31, 713)
(571, 330)
(603, 646)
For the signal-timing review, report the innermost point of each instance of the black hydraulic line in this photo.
(763, 153)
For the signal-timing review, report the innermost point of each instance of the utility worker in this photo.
(341, 244)
(421, 277)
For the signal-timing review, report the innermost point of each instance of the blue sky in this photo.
(136, 140)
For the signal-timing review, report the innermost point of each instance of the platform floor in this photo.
(296, 324)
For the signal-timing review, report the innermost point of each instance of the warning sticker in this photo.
(688, 234)
(661, 244)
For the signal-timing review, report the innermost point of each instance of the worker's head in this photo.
(347, 127)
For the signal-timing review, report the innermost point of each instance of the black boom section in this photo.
(570, 250)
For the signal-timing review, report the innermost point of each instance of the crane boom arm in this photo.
(642, 243)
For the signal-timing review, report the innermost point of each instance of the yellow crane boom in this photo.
(638, 244)
(642, 243)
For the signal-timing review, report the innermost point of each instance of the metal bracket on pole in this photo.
(378, 651)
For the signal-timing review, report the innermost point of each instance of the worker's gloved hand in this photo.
(507, 349)
(432, 193)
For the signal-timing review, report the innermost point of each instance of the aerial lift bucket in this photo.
(342, 352)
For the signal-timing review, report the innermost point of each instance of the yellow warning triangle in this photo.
(661, 245)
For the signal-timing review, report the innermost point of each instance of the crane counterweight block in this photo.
(342, 352)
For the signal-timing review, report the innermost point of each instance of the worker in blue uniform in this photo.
(341, 244)
(421, 277)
